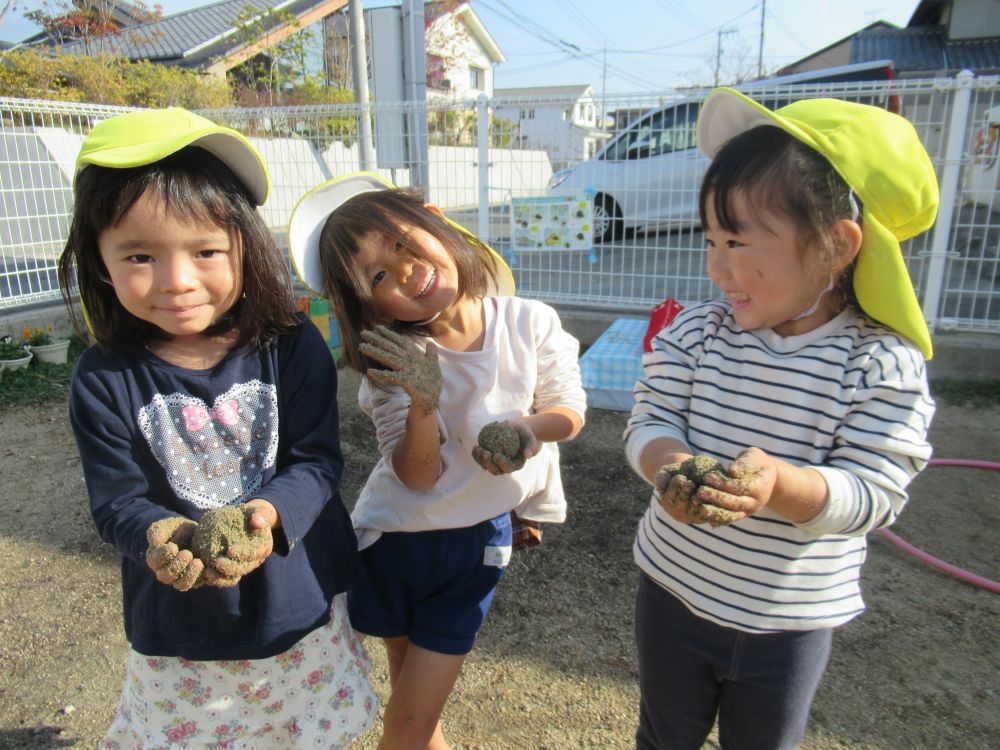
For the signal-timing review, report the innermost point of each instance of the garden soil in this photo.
(554, 666)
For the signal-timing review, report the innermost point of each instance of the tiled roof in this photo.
(190, 37)
(925, 49)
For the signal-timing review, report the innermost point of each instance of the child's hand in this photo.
(169, 554)
(246, 556)
(746, 486)
(675, 492)
(416, 372)
(239, 550)
(499, 462)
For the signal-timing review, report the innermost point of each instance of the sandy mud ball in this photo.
(503, 438)
(221, 529)
(697, 468)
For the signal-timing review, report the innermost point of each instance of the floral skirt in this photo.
(314, 695)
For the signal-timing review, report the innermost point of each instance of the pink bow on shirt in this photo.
(196, 417)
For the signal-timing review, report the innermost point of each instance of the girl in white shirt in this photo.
(426, 315)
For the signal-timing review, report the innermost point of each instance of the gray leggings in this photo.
(761, 685)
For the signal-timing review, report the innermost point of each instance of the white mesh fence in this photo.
(592, 202)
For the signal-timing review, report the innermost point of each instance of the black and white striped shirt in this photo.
(849, 399)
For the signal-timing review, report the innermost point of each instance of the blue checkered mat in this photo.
(612, 365)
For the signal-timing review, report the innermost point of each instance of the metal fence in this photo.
(586, 213)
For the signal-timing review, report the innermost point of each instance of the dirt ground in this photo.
(555, 664)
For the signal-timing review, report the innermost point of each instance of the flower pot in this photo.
(55, 353)
(16, 364)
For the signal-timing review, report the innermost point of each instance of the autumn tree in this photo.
(91, 22)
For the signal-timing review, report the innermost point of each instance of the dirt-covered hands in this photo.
(169, 553)
(746, 486)
(675, 492)
(232, 542)
(416, 372)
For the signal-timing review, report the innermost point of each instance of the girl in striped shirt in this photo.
(806, 380)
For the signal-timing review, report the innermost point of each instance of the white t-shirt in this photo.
(527, 363)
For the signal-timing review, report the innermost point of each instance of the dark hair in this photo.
(197, 186)
(777, 174)
(346, 286)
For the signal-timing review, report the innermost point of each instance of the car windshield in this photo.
(662, 132)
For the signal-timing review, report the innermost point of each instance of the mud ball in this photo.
(217, 530)
(696, 469)
(503, 438)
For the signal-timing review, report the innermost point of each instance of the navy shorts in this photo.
(433, 586)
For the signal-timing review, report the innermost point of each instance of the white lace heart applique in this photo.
(214, 456)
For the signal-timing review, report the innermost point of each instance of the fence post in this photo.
(952, 167)
(484, 166)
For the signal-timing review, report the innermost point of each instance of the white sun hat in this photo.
(305, 225)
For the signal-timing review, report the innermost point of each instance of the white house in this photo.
(461, 56)
(565, 121)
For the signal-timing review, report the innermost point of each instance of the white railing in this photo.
(477, 159)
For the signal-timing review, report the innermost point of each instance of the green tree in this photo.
(272, 73)
(106, 79)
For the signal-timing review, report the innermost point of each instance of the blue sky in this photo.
(636, 45)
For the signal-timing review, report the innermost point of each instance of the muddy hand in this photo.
(245, 556)
(675, 492)
(416, 372)
(746, 486)
(169, 553)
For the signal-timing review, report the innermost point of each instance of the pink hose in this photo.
(934, 562)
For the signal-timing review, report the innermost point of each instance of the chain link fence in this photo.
(591, 200)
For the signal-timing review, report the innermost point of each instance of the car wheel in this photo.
(607, 219)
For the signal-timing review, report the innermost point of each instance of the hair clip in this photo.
(855, 209)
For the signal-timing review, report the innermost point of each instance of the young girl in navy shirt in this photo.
(206, 390)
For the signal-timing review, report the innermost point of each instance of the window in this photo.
(477, 78)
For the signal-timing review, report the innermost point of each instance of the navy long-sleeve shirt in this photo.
(157, 440)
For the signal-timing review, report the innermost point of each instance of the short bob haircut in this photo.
(345, 284)
(194, 185)
(778, 175)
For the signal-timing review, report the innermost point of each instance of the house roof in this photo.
(125, 14)
(198, 37)
(844, 40)
(928, 13)
(925, 49)
(574, 91)
(467, 15)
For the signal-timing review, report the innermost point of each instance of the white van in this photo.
(648, 176)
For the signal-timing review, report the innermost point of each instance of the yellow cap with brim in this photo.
(142, 137)
(305, 225)
(881, 158)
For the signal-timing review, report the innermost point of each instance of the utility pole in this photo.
(760, 48)
(359, 60)
(718, 50)
(604, 89)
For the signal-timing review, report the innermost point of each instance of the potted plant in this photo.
(13, 356)
(45, 346)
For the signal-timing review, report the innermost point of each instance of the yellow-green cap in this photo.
(142, 137)
(305, 225)
(881, 158)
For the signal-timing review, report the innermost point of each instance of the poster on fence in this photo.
(552, 222)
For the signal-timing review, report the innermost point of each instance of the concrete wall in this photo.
(958, 356)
